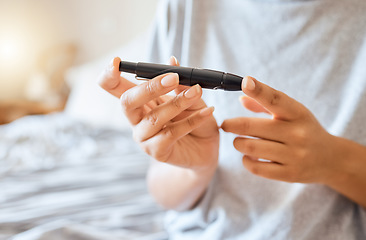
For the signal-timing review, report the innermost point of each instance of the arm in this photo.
(175, 187)
(298, 147)
(351, 180)
(179, 133)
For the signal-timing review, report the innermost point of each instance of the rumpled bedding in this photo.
(62, 179)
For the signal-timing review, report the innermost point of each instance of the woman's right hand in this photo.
(179, 130)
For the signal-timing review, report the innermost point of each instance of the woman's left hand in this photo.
(297, 148)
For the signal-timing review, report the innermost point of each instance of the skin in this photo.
(182, 137)
(298, 147)
(171, 130)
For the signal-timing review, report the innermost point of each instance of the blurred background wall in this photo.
(39, 39)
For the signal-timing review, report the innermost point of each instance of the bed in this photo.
(76, 174)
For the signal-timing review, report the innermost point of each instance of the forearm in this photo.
(177, 188)
(349, 177)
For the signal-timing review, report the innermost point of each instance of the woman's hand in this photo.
(179, 130)
(297, 148)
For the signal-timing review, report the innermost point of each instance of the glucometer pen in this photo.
(206, 78)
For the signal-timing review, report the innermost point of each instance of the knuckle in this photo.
(152, 153)
(159, 153)
(258, 89)
(153, 148)
(125, 101)
(152, 118)
(191, 122)
(139, 135)
(147, 149)
(156, 148)
(136, 137)
(301, 135)
(250, 148)
(275, 97)
(245, 126)
(177, 103)
(302, 155)
(139, 113)
(255, 169)
(169, 132)
(151, 87)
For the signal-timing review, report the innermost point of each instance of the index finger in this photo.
(111, 79)
(276, 102)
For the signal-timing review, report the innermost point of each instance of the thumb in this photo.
(111, 81)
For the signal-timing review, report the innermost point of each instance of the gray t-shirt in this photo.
(314, 51)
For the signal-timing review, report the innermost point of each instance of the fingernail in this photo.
(248, 83)
(207, 111)
(174, 60)
(170, 80)
(191, 92)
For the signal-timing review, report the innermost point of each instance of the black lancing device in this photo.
(206, 78)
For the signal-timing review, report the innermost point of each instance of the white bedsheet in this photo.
(61, 179)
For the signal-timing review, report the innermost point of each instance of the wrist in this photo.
(184, 186)
(344, 161)
(202, 174)
(349, 177)
(204, 170)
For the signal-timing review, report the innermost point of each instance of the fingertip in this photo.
(242, 100)
(199, 89)
(173, 61)
(115, 63)
(113, 67)
(236, 143)
(246, 101)
(170, 80)
(223, 125)
(109, 77)
(207, 111)
(193, 92)
(249, 160)
(248, 84)
(229, 125)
